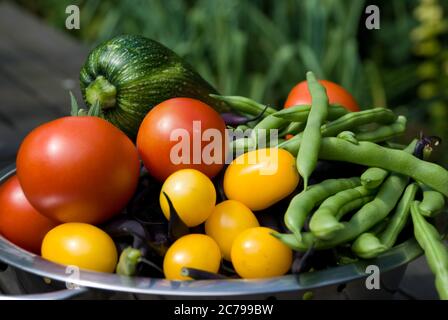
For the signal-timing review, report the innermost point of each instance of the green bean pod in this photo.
(309, 150)
(242, 127)
(373, 177)
(347, 122)
(352, 205)
(373, 155)
(244, 105)
(264, 127)
(435, 251)
(323, 223)
(293, 128)
(364, 219)
(355, 119)
(432, 203)
(300, 113)
(369, 245)
(302, 204)
(385, 132)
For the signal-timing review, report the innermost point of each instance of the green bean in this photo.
(355, 119)
(293, 128)
(384, 132)
(345, 123)
(353, 205)
(323, 223)
(432, 203)
(364, 219)
(302, 204)
(244, 105)
(380, 226)
(300, 113)
(369, 245)
(373, 155)
(309, 151)
(435, 251)
(389, 236)
(394, 145)
(265, 126)
(349, 136)
(242, 127)
(373, 177)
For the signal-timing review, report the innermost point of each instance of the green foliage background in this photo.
(261, 48)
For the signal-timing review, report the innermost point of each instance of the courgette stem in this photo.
(103, 91)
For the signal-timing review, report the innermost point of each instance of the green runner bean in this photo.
(264, 127)
(302, 204)
(364, 219)
(347, 122)
(300, 113)
(293, 128)
(309, 150)
(353, 205)
(244, 105)
(369, 245)
(435, 251)
(384, 132)
(323, 223)
(399, 161)
(373, 177)
(432, 203)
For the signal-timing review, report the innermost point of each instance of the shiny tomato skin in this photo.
(197, 251)
(78, 169)
(260, 178)
(153, 139)
(257, 254)
(336, 95)
(20, 223)
(82, 245)
(193, 196)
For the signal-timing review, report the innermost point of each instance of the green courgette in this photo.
(129, 74)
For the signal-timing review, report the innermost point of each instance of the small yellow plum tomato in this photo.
(260, 178)
(81, 245)
(257, 254)
(193, 196)
(197, 251)
(227, 221)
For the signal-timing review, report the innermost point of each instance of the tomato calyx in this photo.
(176, 227)
(76, 111)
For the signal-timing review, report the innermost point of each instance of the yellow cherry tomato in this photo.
(227, 221)
(194, 251)
(193, 196)
(260, 178)
(257, 254)
(81, 245)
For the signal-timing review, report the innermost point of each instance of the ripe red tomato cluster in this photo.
(83, 169)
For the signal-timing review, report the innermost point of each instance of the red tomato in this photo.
(78, 169)
(336, 95)
(158, 141)
(20, 223)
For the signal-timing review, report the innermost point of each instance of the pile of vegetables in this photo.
(304, 188)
